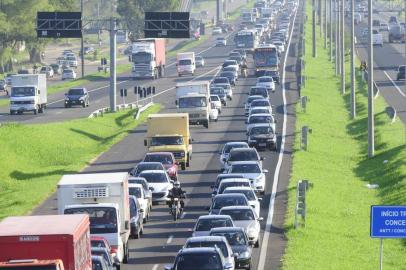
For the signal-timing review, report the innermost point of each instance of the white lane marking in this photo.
(170, 238)
(264, 246)
(59, 112)
(155, 267)
(394, 84)
(183, 215)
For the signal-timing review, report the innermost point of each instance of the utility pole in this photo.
(336, 36)
(339, 37)
(371, 127)
(113, 78)
(325, 24)
(353, 104)
(331, 29)
(321, 17)
(82, 50)
(314, 29)
(342, 48)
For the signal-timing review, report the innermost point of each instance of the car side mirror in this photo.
(141, 210)
(228, 265)
(262, 158)
(259, 199)
(145, 142)
(172, 182)
(66, 94)
(260, 219)
(168, 267)
(265, 171)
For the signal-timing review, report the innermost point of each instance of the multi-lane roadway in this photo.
(162, 236)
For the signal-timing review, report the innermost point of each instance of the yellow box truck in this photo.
(170, 133)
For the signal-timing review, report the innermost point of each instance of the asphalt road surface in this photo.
(386, 61)
(162, 236)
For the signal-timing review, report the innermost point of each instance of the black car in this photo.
(230, 76)
(401, 73)
(238, 241)
(136, 227)
(77, 96)
(272, 73)
(200, 258)
(262, 136)
(259, 91)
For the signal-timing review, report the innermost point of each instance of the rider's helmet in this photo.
(176, 184)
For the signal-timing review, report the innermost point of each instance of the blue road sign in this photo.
(388, 221)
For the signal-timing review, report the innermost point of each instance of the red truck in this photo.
(56, 237)
(148, 58)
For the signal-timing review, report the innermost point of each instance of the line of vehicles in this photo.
(99, 212)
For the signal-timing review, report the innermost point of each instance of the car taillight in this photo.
(114, 249)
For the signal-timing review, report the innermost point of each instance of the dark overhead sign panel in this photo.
(59, 24)
(167, 25)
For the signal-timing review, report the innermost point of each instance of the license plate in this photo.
(262, 144)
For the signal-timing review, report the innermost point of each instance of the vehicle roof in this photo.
(259, 108)
(158, 153)
(229, 195)
(205, 239)
(133, 185)
(40, 225)
(243, 149)
(264, 77)
(98, 238)
(261, 125)
(99, 178)
(238, 188)
(235, 207)
(199, 250)
(245, 162)
(232, 180)
(215, 216)
(260, 114)
(137, 178)
(227, 229)
(235, 143)
(227, 174)
(153, 171)
(253, 97)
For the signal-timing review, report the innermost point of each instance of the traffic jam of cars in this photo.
(113, 207)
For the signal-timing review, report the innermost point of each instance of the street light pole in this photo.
(331, 29)
(325, 24)
(353, 104)
(113, 78)
(339, 37)
(314, 28)
(371, 127)
(342, 48)
(82, 56)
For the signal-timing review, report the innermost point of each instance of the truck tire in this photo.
(206, 124)
(188, 161)
(11, 112)
(35, 111)
(183, 166)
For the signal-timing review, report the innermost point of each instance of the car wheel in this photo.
(126, 253)
(248, 267)
(137, 234)
(257, 244)
(142, 230)
(84, 104)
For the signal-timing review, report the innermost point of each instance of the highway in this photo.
(162, 236)
(386, 61)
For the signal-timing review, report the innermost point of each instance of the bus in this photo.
(247, 39)
(266, 57)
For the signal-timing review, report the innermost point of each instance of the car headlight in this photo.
(66, 98)
(244, 255)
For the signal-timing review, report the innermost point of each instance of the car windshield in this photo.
(220, 80)
(221, 245)
(22, 92)
(227, 74)
(214, 98)
(221, 202)
(249, 194)
(239, 214)
(260, 103)
(260, 119)
(67, 71)
(103, 254)
(199, 58)
(166, 140)
(265, 79)
(154, 177)
(148, 166)
(259, 91)
(135, 191)
(208, 224)
(71, 58)
(261, 130)
(225, 86)
(198, 261)
(185, 62)
(98, 243)
(96, 265)
(252, 98)
(75, 92)
(140, 181)
(223, 185)
(192, 102)
(102, 219)
(402, 69)
(245, 168)
(243, 156)
(164, 159)
(230, 68)
(228, 147)
(256, 111)
(233, 238)
(230, 62)
(217, 91)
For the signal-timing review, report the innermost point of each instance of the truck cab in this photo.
(148, 58)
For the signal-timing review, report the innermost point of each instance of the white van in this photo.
(377, 38)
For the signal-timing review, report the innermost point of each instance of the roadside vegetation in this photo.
(34, 157)
(336, 235)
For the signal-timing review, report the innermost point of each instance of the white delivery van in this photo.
(185, 63)
(28, 93)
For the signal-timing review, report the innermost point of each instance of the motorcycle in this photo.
(175, 210)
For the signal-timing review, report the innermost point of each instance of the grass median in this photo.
(336, 235)
(34, 157)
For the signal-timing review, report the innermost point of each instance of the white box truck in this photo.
(28, 93)
(104, 197)
(194, 98)
(185, 63)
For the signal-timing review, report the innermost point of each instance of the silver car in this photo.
(245, 217)
(199, 60)
(207, 222)
(253, 171)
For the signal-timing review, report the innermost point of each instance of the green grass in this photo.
(185, 46)
(34, 157)
(236, 13)
(203, 5)
(336, 235)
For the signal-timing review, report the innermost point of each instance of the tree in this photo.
(133, 12)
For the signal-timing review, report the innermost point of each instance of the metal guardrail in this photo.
(140, 104)
(300, 208)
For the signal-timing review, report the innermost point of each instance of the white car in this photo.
(377, 38)
(160, 184)
(215, 99)
(221, 41)
(279, 45)
(250, 99)
(224, 153)
(68, 74)
(242, 154)
(214, 113)
(199, 60)
(217, 31)
(261, 118)
(137, 190)
(252, 198)
(266, 81)
(383, 27)
(227, 88)
(253, 171)
(246, 218)
(72, 61)
(231, 182)
(256, 110)
(47, 70)
(260, 103)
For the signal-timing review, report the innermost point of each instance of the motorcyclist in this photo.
(244, 69)
(176, 192)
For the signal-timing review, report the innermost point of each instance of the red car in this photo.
(168, 161)
(98, 241)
